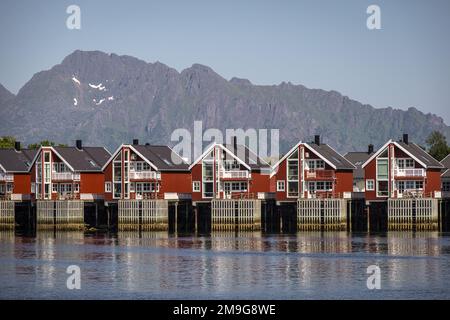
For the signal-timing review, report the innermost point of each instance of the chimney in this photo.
(17, 145)
(135, 142)
(370, 149)
(317, 139)
(235, 143)
(405, 138)
(79, 144)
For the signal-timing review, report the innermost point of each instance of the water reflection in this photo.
(225, 265)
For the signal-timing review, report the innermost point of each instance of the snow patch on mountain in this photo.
(76, 80)
(99, 86)
(75, 101)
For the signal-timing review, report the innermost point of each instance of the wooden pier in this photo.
(408, 214)
(317, 214)
(60, 214)
(7, 221)
(229, 214)
(143, 215)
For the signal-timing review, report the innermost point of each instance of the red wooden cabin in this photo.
(402, 169)
(312, 170)
(146, 172)
(229, 171)
(66, 173)
(15, 178)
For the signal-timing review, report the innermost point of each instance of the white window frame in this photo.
(281, 185)
(76, 188)
(196, 186)
(55, 188)
(108, 187)
(33, 187)
(373, 184)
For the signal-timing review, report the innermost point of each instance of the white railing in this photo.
(6, 177)
(65, 176)
(409, 172)
(234, 174)
(145, 175)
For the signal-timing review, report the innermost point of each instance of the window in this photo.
(145, 166)
(108, 187)
(33, 187)
(382, 169)
(131, 187)
(196, 186)
(76, 187)
(281, 185)
(138, 166)
(382, 189)
(55, 188)
(370, 185)
(46, 156)
(9, 187)
(117, 189)
(55, 167)
(419, 185)
(2, 188)
(62, 167)
(446, 186)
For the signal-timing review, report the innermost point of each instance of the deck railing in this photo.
(409, 172)
(6, 177)
(65, 176)
(234, 174)
(151, 175)
(319, 174)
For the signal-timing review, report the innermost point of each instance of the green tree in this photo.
(44, 143)
(7, 142)
(438, 145)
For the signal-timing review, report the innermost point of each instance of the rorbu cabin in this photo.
(445, 177)
(230, 171)
(68, 173)
(15, 178)
(402, 169)
(312, 170)
(140, 172)
(358, 159)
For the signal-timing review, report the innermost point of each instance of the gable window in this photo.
(196, 186)
(370, 185)
(281, 185)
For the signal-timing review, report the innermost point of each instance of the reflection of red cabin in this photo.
(146, 172)
(66, 173)
(15, 179)
(229, 171)
(401, 170)
(312, 170)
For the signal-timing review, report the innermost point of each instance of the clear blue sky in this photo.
(320, 44)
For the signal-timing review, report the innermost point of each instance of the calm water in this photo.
(153, 265)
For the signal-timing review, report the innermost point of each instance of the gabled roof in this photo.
(446, 163)
(412, 150)
(331, 156)
(248, 156)
(12, 160)
(161, 158)
(358, 159)
(229, 152)
(87, 159)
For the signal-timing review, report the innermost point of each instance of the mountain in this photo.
(106, 99)
(5, 96)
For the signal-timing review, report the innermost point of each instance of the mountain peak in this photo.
(240, 82)
(5, 95)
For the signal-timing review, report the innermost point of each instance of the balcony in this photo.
(145, 175)
(234, 174)
(64, 176)
(319, 174)
(409, 172)
(7, 177)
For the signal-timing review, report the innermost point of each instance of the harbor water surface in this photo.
(249, 265)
